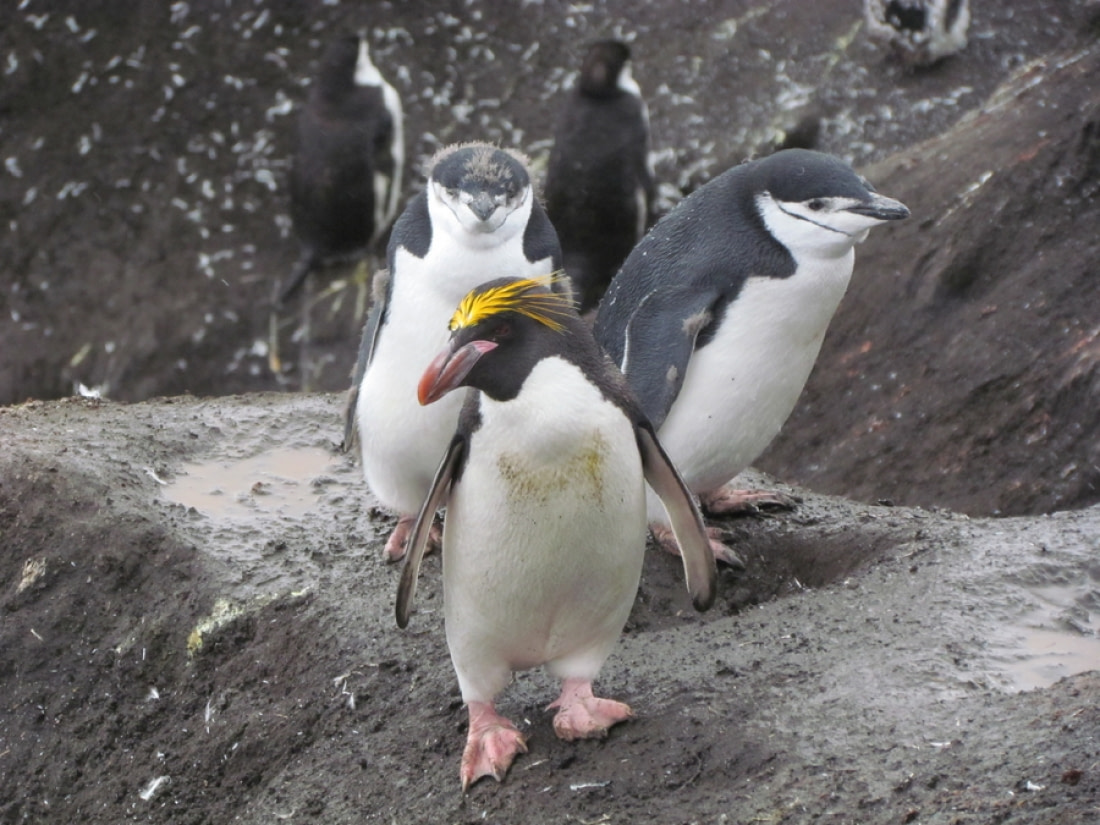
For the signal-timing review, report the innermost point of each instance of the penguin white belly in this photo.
(747, 379)
(544, 535)
(402, 442)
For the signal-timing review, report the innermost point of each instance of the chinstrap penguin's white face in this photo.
(826, 226)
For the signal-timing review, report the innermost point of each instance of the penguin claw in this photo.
(726, 501)
(491, 745)
(723, 554)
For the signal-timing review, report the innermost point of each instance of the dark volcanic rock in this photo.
(963, 367)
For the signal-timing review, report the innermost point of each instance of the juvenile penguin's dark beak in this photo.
(881, 208)
(449, 368)
(482, 206)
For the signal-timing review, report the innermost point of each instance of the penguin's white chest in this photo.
(742, 386)
(402, 442)
(545, 530)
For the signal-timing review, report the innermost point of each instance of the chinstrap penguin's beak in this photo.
(483, 206)
(881, 208)
(449, 368)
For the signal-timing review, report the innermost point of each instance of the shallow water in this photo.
(1059, 637)
(281, 481)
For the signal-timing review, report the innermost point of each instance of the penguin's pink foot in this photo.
(396, 544)
(491, 745)
(727, 501)
(583, 716)
(666, 540)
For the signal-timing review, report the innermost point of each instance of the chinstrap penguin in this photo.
(599, 182)
(544, 535)
(717, 316)
(345, 176)
(918, 32)
(476, 219)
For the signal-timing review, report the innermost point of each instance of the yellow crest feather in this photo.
(529, 296)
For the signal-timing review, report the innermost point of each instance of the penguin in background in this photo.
(717, 316)
(345, 176)
(599, 187)
(918, 32)
(476, 219)
(544, 536)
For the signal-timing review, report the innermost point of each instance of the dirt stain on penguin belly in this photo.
(578, 474)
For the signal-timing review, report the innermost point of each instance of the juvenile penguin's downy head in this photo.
(498, 333)
(476, 189)
(918, 32)
(815, 204)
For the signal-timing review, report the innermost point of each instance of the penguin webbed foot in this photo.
(397, 543)
(581, 715)
(491, 745)
(727, 501)
(723, 554)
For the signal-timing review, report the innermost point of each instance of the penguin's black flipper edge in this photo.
(367, 344)
(660, 339)
(700, 569)
(351, 435)
(418, 539)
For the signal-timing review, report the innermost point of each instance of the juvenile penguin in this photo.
(476, 219)
(545, 526)
(918, 32)
(345, 177)
(599, 182)
(717, 316)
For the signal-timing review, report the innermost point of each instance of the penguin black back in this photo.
(346, 144)
(599, 186)
(675, 289)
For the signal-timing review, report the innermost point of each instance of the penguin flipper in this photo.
(367, 344)
(418, 539)
(659, 341)
(700, 569)
(306, 263)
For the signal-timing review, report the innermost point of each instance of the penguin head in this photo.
(500, 330)
(479, 190)
(815, 204)
(606, 70)
(336, 76)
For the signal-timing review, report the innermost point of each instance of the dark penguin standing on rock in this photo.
(544, 487)
(476, 219)
(718, 315)
(918, 32)
(599, 184)
(345, 178)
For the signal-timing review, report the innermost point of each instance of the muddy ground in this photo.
(197, 628)
(144, 216)
(195, 625)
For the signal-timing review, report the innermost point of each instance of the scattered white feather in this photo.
(152, 787)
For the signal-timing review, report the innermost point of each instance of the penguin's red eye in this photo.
(503, 330)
